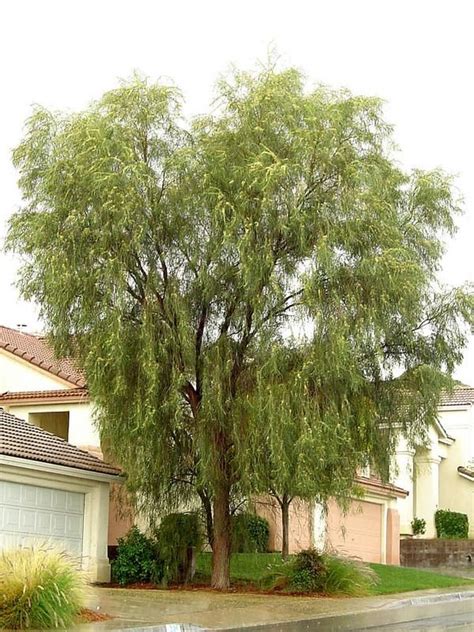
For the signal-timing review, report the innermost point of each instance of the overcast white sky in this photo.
(416, 54)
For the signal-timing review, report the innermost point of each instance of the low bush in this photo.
(311, 572)
(137, 559)
(451, 524)
(418, 526)
(250, 533)
(39, 588)
(178, 538)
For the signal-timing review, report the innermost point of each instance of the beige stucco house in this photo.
(439, 473)
(52, 395)
(369, 530)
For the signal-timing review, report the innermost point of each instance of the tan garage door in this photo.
(359, 532)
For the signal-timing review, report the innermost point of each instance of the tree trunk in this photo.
(207, 505)
(222, 539)
(285, 524)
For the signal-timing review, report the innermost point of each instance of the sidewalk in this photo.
(194, 610)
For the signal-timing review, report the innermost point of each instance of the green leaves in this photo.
(173, 259)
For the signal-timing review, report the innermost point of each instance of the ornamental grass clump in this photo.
(39, 588)
(313, 572)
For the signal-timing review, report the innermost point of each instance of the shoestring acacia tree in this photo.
(169, 257)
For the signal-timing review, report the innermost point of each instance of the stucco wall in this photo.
(456, 492)
(19, 375)
(299, 519)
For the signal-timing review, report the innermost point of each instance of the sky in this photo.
(415, 54)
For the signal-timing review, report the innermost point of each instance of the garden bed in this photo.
(247, 571)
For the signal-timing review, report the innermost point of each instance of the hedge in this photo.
(451, 524)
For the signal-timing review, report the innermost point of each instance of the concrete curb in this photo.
(427, 600)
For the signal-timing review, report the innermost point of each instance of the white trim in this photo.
(52, 468)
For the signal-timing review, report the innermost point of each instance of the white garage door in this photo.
(31, 514)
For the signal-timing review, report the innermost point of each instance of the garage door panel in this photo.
(59, 500)
(73, 526)
(11, 519)
(12, 493)
(28, 496)
(30, 514)
(28, 520)
(43, 523)
(45, 497)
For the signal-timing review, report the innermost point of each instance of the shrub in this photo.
(39, 588)
(418, 526)
(177, 538)
(451, 524)
(311, 572)
(137, 559)
(250, 533)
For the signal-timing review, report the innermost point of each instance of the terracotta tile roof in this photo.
(375, 484)
(63, 395)
(461, 395)
(36, 350)
(19, 438)
(467, 472)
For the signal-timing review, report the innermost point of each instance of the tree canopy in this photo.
(265, 268)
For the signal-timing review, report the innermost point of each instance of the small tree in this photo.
(169, 259)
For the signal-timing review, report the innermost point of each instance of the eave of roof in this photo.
(64, 396)
(385, 489)
(466, 472)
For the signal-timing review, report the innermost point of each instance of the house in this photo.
(439, 473)
(368, 530)
(52, 395)
(53, 492)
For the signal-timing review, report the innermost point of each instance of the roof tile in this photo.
(37, 351)
(461, 395)
(20, 439)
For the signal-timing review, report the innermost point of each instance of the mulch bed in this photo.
(91, 616)
(244, 587)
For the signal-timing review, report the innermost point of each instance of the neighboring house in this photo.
(53, 492)
(437, 474)
(369, 530)
(51, 394)
(440, 473)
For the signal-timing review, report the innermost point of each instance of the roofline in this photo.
(30, 360)
(456, 406)
(382, 489)
(39, 397)
(53, 468)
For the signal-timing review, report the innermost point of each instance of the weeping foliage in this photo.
(260, 278)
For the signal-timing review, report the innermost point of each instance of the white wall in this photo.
(19, 375)
(456, 492)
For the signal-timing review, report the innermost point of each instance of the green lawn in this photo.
(250, 567)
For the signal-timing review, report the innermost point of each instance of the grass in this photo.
(253, 567)
(39, 588)
(394, 579)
